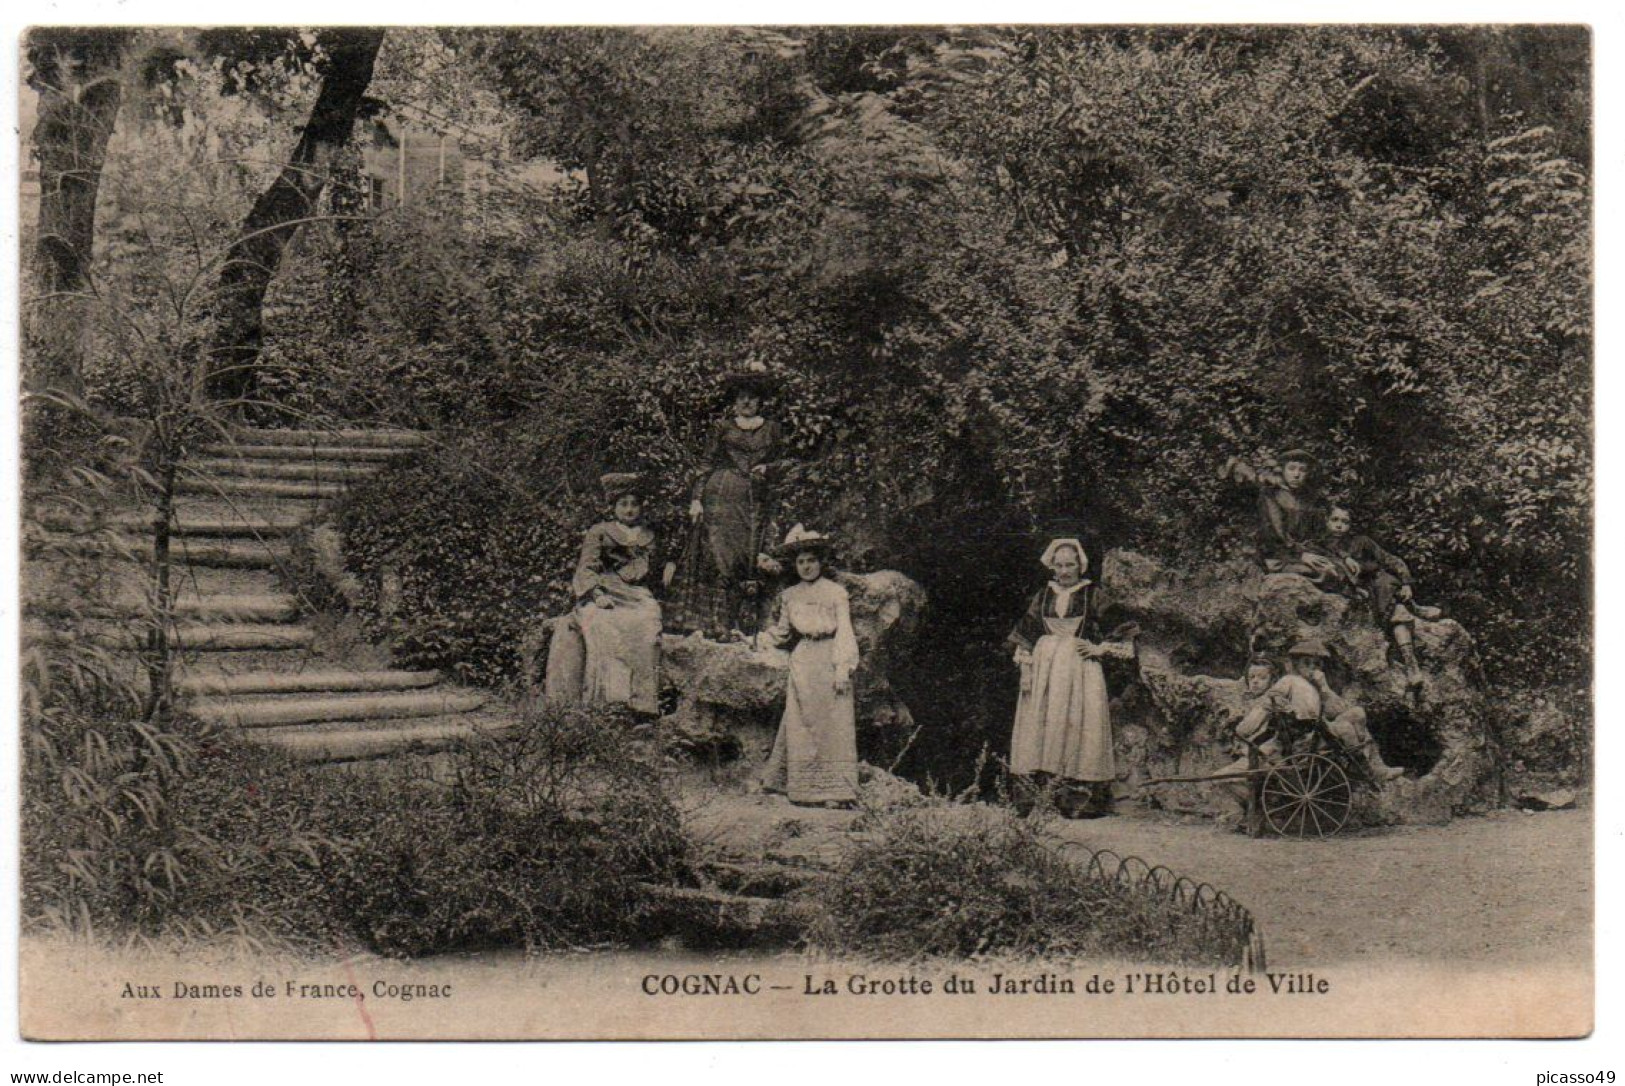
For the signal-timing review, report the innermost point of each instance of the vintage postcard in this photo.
(806, 532)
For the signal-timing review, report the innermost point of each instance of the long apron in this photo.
(1063, 721)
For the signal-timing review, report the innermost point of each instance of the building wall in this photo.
(407, 164)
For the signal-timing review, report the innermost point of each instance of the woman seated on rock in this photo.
(1063, 734)
(815, 754)
(617, 614)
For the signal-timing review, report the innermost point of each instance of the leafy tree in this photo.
(349, 55)
(76, 74)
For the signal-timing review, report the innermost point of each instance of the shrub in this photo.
(538, 840)
(483, 550)
(962, 881)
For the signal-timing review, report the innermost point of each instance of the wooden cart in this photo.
(1305, 790)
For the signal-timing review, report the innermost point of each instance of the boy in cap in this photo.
(1288, 517)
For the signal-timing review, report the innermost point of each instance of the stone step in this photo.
(330, 681)
(277, 660)
(131, 581)
(246, 508)
(210, 636)
(706, 919)
(184, 550)
(356, 743)
(317, 470)
(757, 878)
(382, 438)
(258, 488)
(266, 607)
(345, 453)
(188, 523)
(228, 553)
(272, 711)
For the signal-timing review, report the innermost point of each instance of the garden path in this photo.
(1502, 890)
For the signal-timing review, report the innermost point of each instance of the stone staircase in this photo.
(252, 657)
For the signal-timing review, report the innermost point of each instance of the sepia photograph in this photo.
(725, 532)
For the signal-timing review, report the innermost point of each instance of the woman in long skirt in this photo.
(1063, 734)
(616, 614)
(815, 755)
(718, 587)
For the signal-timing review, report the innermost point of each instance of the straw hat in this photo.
(753, 378)
(1309, 646)
(799, 541)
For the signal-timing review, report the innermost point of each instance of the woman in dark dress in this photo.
(717, 590)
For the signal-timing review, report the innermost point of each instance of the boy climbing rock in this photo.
(1381, 579)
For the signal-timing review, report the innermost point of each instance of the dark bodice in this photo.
(613, 555)
(1031, 626)
(742, 450)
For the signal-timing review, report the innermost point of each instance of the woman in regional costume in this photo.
(815, 755)
(618, 615)
(1063, 733)
(718, 589)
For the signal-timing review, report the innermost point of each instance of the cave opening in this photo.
(1405, 739)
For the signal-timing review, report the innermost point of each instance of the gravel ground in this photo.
(1502, 889)
(1506, 888)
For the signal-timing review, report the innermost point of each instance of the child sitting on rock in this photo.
(1295, 703)
(1288, 516)
(1381, 579)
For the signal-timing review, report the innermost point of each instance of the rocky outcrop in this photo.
(1545, 739)
(733, 694)
(1197, 631)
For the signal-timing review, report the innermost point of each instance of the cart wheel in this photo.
(1307, 795)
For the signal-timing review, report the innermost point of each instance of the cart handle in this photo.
(1240, 775)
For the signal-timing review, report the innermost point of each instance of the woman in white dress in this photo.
(1063, 733)
(815, 755)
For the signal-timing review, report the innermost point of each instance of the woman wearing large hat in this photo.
(717, 587)
(815, 754)
(616, 614)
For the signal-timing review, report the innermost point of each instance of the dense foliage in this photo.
(952, 881)
(1013, 279)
